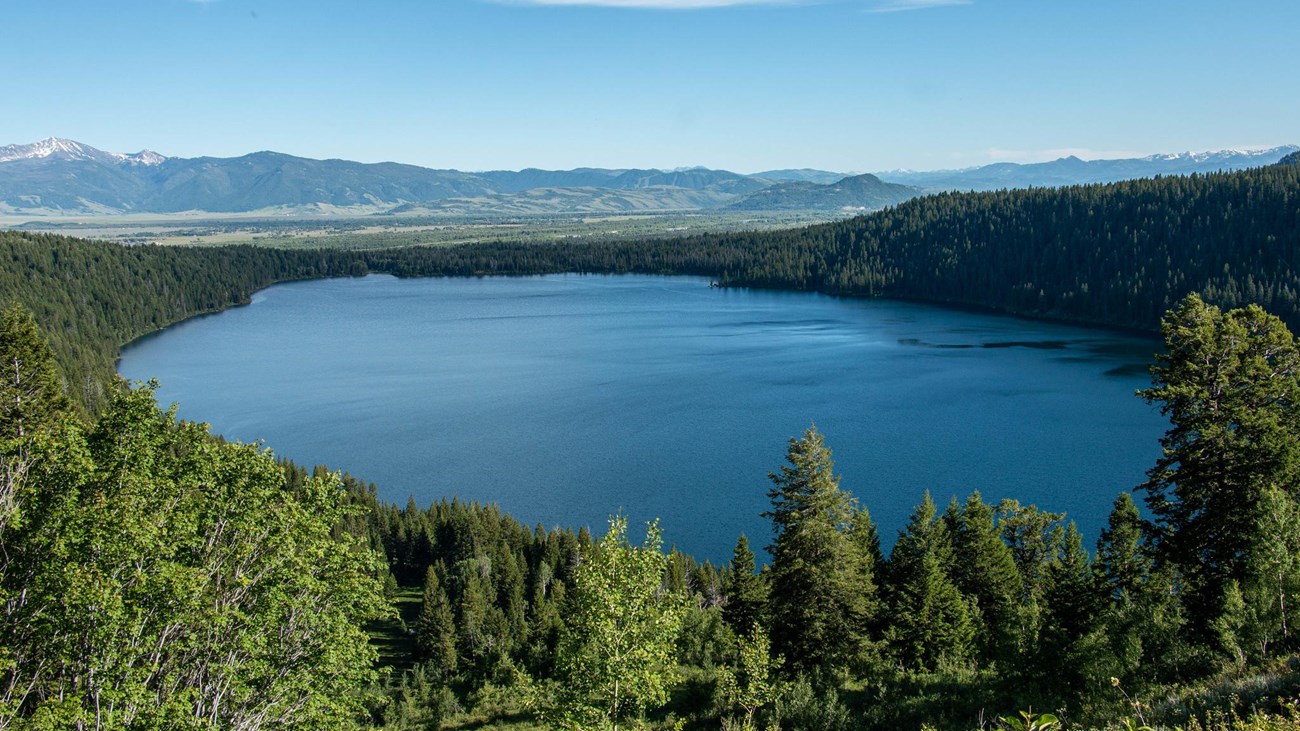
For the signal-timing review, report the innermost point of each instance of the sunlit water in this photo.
(567, 398)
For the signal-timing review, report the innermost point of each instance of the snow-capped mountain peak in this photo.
(46, 148)
(57, 147)
(144, 157)
(1220, 155)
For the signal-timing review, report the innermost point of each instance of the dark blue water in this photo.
(567, 398)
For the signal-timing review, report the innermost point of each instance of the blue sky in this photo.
(849, 85)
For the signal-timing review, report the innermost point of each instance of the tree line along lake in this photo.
(566, 398)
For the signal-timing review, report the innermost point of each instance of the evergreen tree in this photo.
(1068, 651)
(1033, 537)
(544, 623)
(818, 600)
(1071, 595)
(984, 570)
(435, 630)
(745, 595)
(1123, 566)
(476, 639)
(866, 538)
(1030, 533)
(1229, 384)
(931, 622)
(31, 394)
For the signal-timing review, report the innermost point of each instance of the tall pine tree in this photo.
(984, 570)
(744, 590)
(31, 394)
(1229, 384)
(931, 621)
(435, 631)
(819, 599)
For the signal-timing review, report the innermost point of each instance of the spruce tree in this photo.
(1229, 384)
(1032, 535)
(819, 600)
(984, 570)
(1066, 656)
(744, 591)
(1071, 596)
(1122, 566)
(31, 394)
(866, 538)
(930, 620)
(435, 631)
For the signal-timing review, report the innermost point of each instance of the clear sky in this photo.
(846, 85)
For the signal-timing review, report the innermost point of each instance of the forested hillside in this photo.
(1118, 254)
(92, 298)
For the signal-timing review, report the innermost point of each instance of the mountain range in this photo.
(1074, 171)
(62, 177)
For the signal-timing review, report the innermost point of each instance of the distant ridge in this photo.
(802, 175)
(1074, 171)
(857, 193)
(56, 176)
(63, 177)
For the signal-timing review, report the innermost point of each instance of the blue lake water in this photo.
(567, 398)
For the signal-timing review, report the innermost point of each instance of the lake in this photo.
(567, 398)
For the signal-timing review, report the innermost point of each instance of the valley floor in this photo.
(350, 231)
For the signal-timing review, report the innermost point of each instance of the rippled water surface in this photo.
(565, 398)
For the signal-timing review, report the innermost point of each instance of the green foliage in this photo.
(931, 622)
(1140, 616)
(615, 658)
(163, 579)
(1229, 384)
(435, 631)
(821, 594)
(1068, 657)
(705, 639)
(744, 590)
(1123, 566)
(800, 707)
(31, 395)
(1118, 254)
(1256, 720)
(752, 685)
(983, 569)
(1030, 721)
(1071, 595)
(1273, 571)
(413, 700)
(1032, 535)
